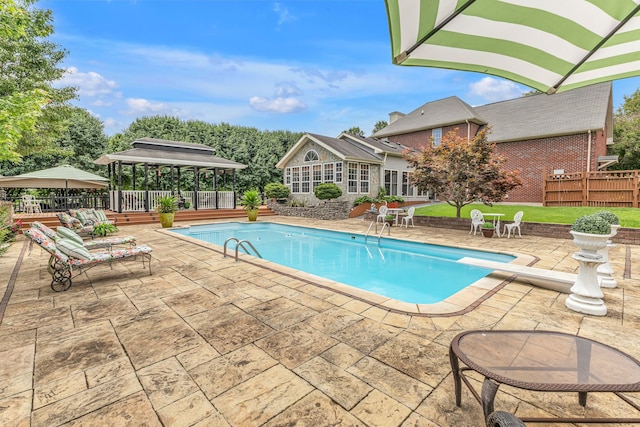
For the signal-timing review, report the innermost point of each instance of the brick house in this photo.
(358, 165)
(561, 133)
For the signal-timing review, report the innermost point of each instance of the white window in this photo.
(295, 179)
(304, 179)
(317, 175)
(287, 176)
(311, 156)
(352, 177)
(338, 172)
(328, 172)
(391, 182)
(436, 134)
(407, 190)
(364, 178)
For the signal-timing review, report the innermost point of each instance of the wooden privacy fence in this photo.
(605, 188)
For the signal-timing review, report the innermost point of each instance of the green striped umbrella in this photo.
(549, 45)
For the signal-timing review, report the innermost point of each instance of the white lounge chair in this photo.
(409, 217)
(30, 204)
(477, 219)
(508, 228)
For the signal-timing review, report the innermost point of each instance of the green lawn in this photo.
(629, 217)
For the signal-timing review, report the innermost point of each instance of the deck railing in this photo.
(134, 200)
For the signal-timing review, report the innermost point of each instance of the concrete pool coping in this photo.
(459, 303)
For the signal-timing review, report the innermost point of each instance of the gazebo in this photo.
(159, 156)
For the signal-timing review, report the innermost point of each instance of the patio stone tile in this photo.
(258, 399)
(53, 391)
(18, 308)
(34, 319)
(166, 382)
(147, 292)
(378, 409)
(401, 387)
(223, 373)
(16, 410)
(342, 355)
(271, 308)
(154, 335)
(339, 385)
(296, 345)
(377, 314)
(366, 335)
(420, 359)
(103, 309)
(58, 356)
(193, 301)
(356, 306)
(24, 296)
(314, 302)
(78, 293)
(108, 290)
(197, 356)
(417, 420)
(395, 319)
(333, 320)
(82, 403)
(108, 372)
(314, 410)
(227, 328)
(290, 318)
(134, 410)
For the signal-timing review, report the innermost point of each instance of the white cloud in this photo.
(88, 84)
(277, 105)
(284, 89)
(139, 106)
(492, 89)
(283, 14)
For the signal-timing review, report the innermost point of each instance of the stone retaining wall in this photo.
(624, 236)
(326, 210)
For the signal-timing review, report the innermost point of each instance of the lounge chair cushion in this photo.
(67, 233)
(69, 221)
(45, 230)
(85, 217)
(73, 249)
(100, 216)
(46, 243)
(108, 256)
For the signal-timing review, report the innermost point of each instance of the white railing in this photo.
(133, 200)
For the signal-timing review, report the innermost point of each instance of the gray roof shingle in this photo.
(347, 148)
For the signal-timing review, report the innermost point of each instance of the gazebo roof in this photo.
(161, 152)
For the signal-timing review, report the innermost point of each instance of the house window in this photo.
(328, 172)
(295, 179)
(287, 176)
(352, 177)
(338, 172)
(406, 188)
(304, 179)
(364, 178)
(391, 182)
(311, 156)
(436, 134)
(317, 175)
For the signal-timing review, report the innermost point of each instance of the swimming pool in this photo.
(405, 271)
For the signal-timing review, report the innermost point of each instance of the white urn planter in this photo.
(586, 295)
(605, 271)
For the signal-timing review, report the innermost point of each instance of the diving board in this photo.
(559, 281)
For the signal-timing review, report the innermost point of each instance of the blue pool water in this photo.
(406, 271)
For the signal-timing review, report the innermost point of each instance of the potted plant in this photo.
(103, 229)
(488, 229)
(590, 233)
(166, 207)
(612, 219)
(251, 201)
(389, 219)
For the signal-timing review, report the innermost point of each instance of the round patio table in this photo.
(543, 361)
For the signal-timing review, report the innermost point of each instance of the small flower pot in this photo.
(488, 232)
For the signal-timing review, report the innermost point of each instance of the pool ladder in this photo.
(240, 244)
(384, 225)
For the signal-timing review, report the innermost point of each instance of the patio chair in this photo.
(30, 204)
(382, 213)
(504, 419)
(67, 233)
(67, 255)
(409, 217)
(477, 219)
(508, 228)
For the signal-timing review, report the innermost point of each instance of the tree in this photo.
(626, 133)
(32, 110)
(380, 124)
(462, 171)
(356, 131)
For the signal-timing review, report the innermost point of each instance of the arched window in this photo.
(311, 156)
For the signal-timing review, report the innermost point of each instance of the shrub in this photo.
(592, 224)
(251, 200)
(276, 190)
(327, 191)
(103, 229)
(364, 199)
(611, 218)
(390, 199)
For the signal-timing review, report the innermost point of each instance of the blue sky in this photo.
(317, 66)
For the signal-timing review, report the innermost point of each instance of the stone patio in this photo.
(208, 341)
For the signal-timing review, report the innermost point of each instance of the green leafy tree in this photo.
(32, 110)
(355, 131)
(626, 133)
(461, 172)
(380, 124)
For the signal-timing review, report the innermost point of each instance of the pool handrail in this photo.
(239, 243)
(384, 224)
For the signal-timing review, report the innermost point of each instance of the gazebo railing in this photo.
(134, 200)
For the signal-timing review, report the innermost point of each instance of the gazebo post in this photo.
(134, 176)
(158, 178)
(233, 187)
(215, 184)
(146, 187)
(119, 186)
(171, 179)
(179, 181)
(196, 187)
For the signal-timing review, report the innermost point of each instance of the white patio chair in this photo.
(477, 219)
(30, 204)
(382, 213)
(408, 217)
(508, 228)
